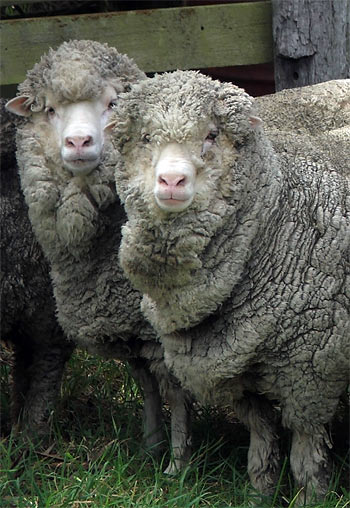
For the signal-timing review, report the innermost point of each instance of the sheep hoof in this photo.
(172, 469)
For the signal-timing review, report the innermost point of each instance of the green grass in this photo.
(96, 459)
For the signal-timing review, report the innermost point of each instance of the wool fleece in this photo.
(248, 284)
(77, 219)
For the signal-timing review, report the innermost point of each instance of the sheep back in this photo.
(315, 109)
(313, 119)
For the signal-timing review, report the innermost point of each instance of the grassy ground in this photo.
(96, 459)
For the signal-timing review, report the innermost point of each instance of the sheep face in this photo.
(174, 177)
(73, 130)
(69, 94)
(65, 102)
(179, 135)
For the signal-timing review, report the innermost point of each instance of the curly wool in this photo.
(78, 220)
(313, 110)
(76, 71)
(264, 306)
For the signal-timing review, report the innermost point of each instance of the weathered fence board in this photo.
(311, 41)
(158, 40)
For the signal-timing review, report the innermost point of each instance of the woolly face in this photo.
(75, 127)
(178, 135)
(178, 171)
(173, 174)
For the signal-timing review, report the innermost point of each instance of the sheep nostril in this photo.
(78, 142)
(69, 142)
(172, 180)
(87, 141)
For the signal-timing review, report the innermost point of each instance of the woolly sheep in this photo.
(28, 322)
(242, 256)
(321, 108)
(317, 115)
(76, 216)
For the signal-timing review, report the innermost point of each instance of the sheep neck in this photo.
(187, 260)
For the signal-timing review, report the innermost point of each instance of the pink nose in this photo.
(78, 142)
(169, 180)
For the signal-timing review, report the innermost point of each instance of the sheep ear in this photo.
(19, 106)
(255, 121)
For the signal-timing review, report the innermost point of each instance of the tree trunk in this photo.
(311, 41)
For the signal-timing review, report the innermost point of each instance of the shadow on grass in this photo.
(97, 458)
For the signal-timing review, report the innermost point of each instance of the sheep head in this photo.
(69, 96)
(179, 135)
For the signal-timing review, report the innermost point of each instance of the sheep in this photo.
(241, 253)
(318, 115)
(28, 322)
(321, 108)
(76, 215)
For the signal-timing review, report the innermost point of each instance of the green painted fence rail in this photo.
(158, 40)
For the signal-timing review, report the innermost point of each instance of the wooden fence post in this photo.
(311, 41)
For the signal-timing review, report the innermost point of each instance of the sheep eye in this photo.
(50, 111)
(146, 138)
(112, 103)
(209, 141)
(212, 136)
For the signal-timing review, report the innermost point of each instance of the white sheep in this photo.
(66, 101)
(242, 254)
(28, 323)
(317, 115)
(321, 108)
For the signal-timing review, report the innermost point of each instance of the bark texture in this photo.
(311, 41)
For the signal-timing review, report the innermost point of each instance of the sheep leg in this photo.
(20, 382)
(310, 466)
(153, 429)
(263, 454)
(37, 376)
(181, 436)
(46, 374)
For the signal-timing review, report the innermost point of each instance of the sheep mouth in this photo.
(79, 162)
(173, 201)
(82, 166)
(174, 204)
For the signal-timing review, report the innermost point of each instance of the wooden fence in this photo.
(160, 39)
